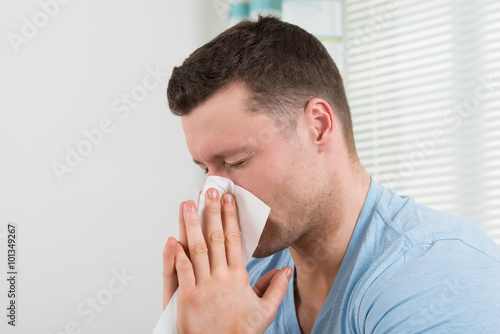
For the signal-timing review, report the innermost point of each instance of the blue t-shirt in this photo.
(407, 269)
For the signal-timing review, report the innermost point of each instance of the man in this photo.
(263, 104)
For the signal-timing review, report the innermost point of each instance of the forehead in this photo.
(223, 122)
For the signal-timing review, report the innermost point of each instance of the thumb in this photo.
(263, 283)
(277, 288)
(170, 282)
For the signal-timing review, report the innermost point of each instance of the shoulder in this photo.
(429, 271)
(401, 218)
(445, 286)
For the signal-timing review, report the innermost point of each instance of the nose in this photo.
(215, 172)
(223, 174)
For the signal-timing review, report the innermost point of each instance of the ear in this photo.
(320, 121)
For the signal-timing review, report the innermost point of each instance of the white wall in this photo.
(117, 207)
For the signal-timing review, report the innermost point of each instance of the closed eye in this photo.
(235, 165)
(240, 163)
(230, 166)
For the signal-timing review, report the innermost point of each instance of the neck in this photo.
(319, 253)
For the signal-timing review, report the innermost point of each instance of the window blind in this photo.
(423, 82)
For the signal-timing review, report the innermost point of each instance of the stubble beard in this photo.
(273, 240)
(300, 218)
(302, 207)
(303, 222)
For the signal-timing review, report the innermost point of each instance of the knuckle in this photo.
(232, 238)
(199, 248)
(193, 221)
(221, 275)
(168, 275)
(213, 210)
(217, 238)
(184, 265)
(168, 256)
(230, 213)
(169, 262)
(282, 293)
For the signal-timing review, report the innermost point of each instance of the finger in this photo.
(182, 229)
(231, 232)
(199, 196)
(263, 283)
(213, 230)
(184, 268)
(277, 288)
(198, 251)
(170, 282)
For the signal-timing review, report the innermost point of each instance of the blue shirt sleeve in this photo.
(444, 287)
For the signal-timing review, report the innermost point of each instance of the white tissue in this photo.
(252, 216)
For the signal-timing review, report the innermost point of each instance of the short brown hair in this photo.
(281, 64)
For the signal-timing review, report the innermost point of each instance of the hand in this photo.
(170, 282)
(214, 291)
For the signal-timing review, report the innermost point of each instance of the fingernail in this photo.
(289, 273)
(228, 199)
(212, 194)
(189, 207)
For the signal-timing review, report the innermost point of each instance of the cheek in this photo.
(267, 179)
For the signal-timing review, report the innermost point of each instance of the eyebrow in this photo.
(224, 154)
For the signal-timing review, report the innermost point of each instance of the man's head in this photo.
(263, 104)
(281, 65)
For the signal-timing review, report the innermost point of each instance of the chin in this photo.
(269, 245)
(274, 239)
(262, 253)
